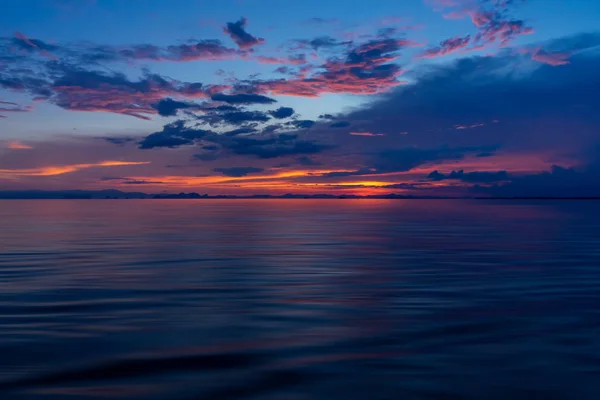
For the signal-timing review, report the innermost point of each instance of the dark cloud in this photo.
(559, 182)
(274, 150)
(340, 124)
(535, 104)
(206, 157)
(303, 124)
(201, 50)
(173, 135)
(24, 43)
(282, 112)
(243, 98)
(239, 117)
(237, 32)
(326, 116)
(470, 177)
(169, 107)
(238, 171)
(287, 136)
(272, 128)
(119, 140)
(284, 70)
(141, 182)
(240, 131)
(86, 53)
(326, 42)
(79, 89)
(307, 161)
(406, 158)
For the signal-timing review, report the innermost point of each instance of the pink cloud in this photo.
(293, 60)
(448, 46)
(460, 127)
(30, 43)
(490, 19)
(367, 69)
(554, 59)
(24, 38)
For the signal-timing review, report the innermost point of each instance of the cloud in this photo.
(491, 20)
(326, 42)
(239, 131)
(15, 145)
(558, 182)
(275, 149)
(207, 50)
(83, 90)
(555, 59)
(536, 104)
(238, 117)
(119, 140)
(14, 108)
(282, 112)
(169, 107)
(340, 124)
(366, 134)
(448, 46)
(320, 21)
(291, 60)
(326, 116)
(303, 124)
(307, 161)
(471, 177)
(173, 135)
(472, 126)
(238, 171)
(237, 32)
(62, 169)
(366, 69)
(243, 98)
(141, 182)
(24, 43)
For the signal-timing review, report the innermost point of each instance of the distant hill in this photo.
(117, 194)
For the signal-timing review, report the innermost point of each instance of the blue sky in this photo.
(75, 71)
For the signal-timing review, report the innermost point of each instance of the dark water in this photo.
(286, 299)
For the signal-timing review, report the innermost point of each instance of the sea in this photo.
(299, 299)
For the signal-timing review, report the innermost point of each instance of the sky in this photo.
(241, 97)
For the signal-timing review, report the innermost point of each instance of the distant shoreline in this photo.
(118, 195)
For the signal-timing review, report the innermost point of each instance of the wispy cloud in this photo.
(62, 169)
(18, 146)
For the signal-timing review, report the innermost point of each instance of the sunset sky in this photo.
(419, 97)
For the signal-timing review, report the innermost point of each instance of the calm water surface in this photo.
(299, 299)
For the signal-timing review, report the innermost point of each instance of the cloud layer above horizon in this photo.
(470, 101)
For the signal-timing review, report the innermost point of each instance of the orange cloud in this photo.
(216, 181)
(19, 146)
(63, 169)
